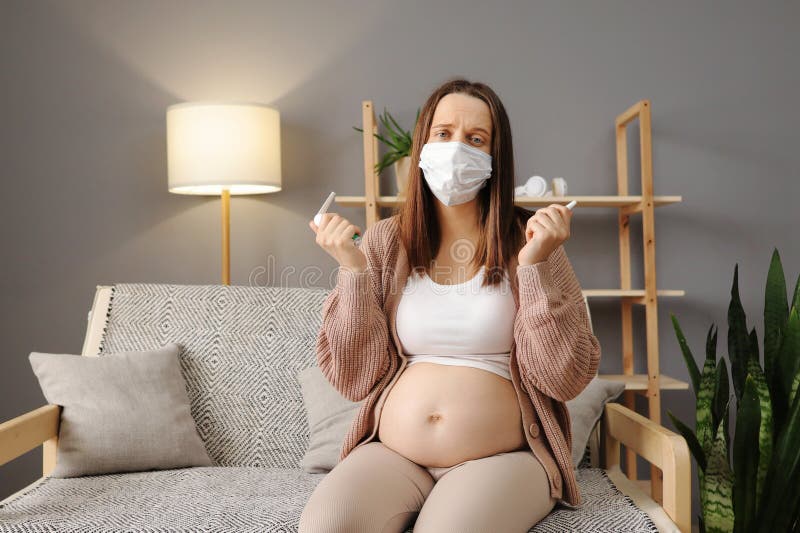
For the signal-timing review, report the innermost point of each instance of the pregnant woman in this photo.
(460, 323)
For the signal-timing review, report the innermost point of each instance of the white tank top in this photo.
(463, 324)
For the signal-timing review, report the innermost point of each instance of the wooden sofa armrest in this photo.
(659, 446)
(25, 432)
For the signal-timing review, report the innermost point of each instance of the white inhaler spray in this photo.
(324, 209)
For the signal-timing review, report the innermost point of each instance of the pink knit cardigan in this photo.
(553, 358)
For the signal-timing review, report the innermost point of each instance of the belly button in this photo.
(435, 417)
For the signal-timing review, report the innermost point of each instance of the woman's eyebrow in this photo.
(447, 125)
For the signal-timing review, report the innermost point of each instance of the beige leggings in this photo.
(377, 490)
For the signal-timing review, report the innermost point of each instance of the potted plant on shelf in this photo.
(398, 146)
(759, 490)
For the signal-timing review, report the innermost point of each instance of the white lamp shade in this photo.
(213, 146)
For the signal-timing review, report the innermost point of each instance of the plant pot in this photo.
(402, 167)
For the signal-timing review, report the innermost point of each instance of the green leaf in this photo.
(399, 128)
(387, 160)
(745, 460)
(753, 354)
(397, 139)
(383, 120)
(781, 495)
(765, 431)
(691, 440)
(718, 500)
(688, 358)
(796, 519)
(796, 298)
(711, 343)
(721, 397)
(400, 137)
(704, 424)
(776, 311)
(738, 341)
(386, 142)
(788, 358)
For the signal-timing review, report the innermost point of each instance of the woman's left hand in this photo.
(546, 230)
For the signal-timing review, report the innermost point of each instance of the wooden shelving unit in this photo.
(648, 384)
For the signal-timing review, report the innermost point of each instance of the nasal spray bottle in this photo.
(324, 209)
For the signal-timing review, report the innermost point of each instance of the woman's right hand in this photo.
(335, 236)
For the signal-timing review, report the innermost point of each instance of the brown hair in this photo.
(501, 222)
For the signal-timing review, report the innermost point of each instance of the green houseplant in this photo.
(398, 147)
(753, 482)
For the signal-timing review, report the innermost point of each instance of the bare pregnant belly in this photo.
(441, 415)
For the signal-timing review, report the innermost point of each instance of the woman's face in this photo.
(464, 118)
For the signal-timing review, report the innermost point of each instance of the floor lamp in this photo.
(223, 149)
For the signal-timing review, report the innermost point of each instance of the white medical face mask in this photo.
(455, 172)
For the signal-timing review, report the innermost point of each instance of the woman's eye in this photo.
(477, 139)
(442, 133)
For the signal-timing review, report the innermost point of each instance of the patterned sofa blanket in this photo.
(247, 499)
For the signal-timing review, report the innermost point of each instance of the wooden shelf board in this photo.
(533, 201)
(633, 293)
(639, 381)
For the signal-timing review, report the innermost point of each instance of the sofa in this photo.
(242, 349)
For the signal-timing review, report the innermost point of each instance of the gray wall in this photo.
(85, 86)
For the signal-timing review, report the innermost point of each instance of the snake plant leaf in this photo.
(718, 501)
(780, 401)
(788, 358)
(781, 496)
(704, 423)
(721, 397)
(765, 430)
(691, 440)
(726, 433)
(688, 358)
(776, 311)
(753, 352)
(745, 460)
(711, 343)
(795, 386)
(738, 342)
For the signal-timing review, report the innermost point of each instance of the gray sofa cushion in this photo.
(230, 499)
(122, 413)
(242, 350)
(586, 409)
(329, 417)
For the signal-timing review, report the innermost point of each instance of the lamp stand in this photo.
(226, 237)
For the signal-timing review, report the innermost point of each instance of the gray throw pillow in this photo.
(121, 412)
(329, 417)
(586, 409)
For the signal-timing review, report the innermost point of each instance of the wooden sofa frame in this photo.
(619, 426)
